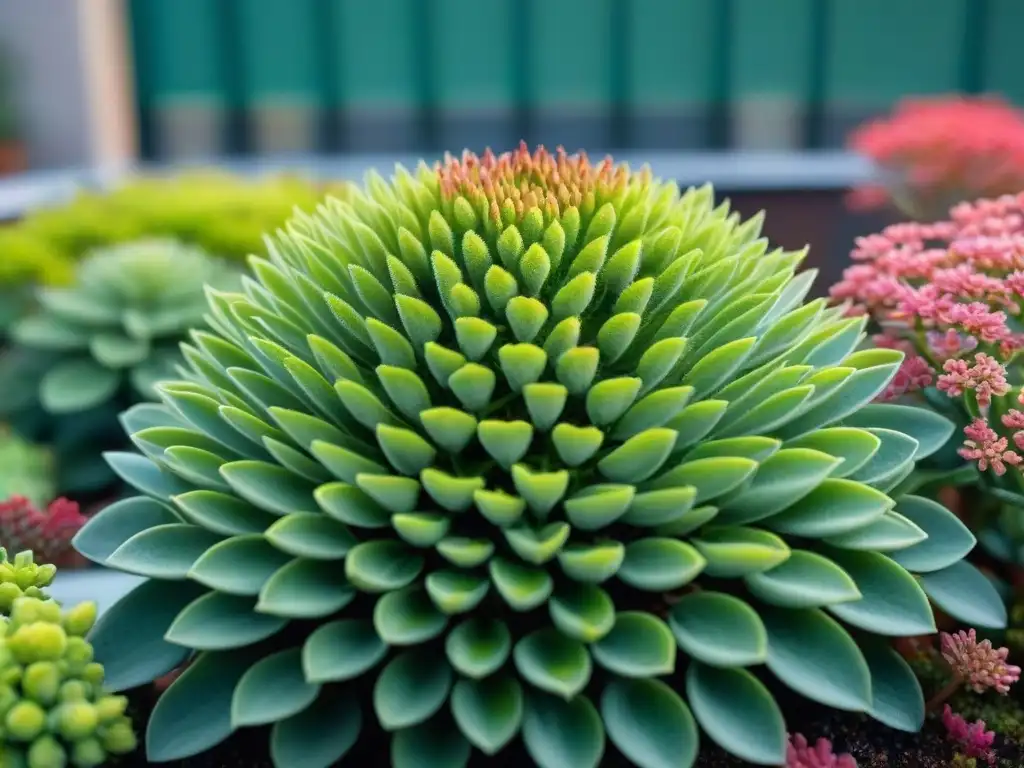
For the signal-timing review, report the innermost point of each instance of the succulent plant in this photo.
(25, 469)
(54, 709)
(224, 214)
(524, 449)
(46, 532)
(95, 348)
(22, 577)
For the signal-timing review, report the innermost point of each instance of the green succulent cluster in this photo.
(224, 214)
(25, 470)
(22, 577)
(524, 451)
(52, 704)
(93, 349)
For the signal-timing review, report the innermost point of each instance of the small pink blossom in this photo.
(949, 344)
(984, 446)
(986, 377)
(972, 738)
(979, 665)
(914, 374)
(800, 754)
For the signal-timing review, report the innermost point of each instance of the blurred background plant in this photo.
(936, 152)
(25, 469)
(94, 348)
(224, 214)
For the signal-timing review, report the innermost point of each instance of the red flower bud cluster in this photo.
(940, 150)
(47, 533)
(800, 754)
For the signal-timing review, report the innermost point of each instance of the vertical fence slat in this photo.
(620, 62)
(817, 75)
(721, 75)
(236, 139)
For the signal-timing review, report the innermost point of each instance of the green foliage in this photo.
(25, 470)
(22, 577)
(95, 348)
(515, 467)
(222, 214)
(54, 709)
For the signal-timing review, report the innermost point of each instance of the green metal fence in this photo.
(260, 76)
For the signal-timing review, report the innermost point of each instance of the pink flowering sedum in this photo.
(800, 754)
(972, 739)
(950, 295)
(979, 665)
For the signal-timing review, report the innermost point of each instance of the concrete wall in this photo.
(71, 75)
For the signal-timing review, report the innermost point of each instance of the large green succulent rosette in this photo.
(524, 451)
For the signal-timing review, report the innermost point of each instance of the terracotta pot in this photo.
(13, 158)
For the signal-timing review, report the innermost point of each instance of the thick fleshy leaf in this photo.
(223, 513)
(816, 657)
(522, 587)
(318, 736)
(145, 476)
(719, 630)
(382, 565)
(711, 477)
(411, 688)
(834, 507)
(311, 534)
(891, 533)
(896, 697)
(735, 709)
(854, 446)
(488, 712)
(239, 565)
(433, 744)
(407, 617)
(931, 430)
(478, 647)
(660, 564)
(272, 689)
(733, 551)
(194, 713)
(891, 601)
(650, 724)
(454, 591)
(895, 451)
(559, 734)
(592, 563)
(582, 611)
(553, 662)
(305, 589)
(639, 645)
(164, 551)
(129, 639)
(113, 525)
(948, 540)
(341, 650)
(781, 480)
(269, 487)
(217, 622)
(965, 593)
(804, 580)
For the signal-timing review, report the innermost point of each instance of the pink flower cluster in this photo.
(800, 754)
(979, 665)
(950, 295)
(972, 738)
(943, 149)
